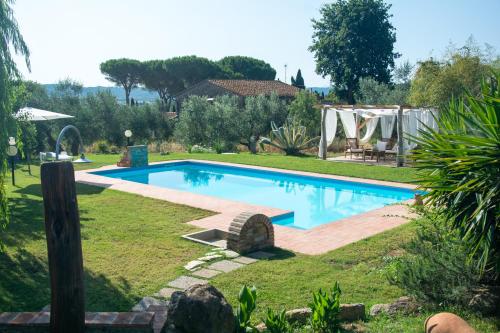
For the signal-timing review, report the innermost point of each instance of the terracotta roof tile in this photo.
(256, 87)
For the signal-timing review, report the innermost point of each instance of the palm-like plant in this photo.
(460, 162)
(10, 38)
(291, 137)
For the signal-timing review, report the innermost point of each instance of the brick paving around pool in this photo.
(314, 241)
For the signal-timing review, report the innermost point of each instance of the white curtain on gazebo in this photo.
(349, 123)
(387, 126)
(371, 125)
(330, 127)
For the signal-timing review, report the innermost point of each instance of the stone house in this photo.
(241, 88)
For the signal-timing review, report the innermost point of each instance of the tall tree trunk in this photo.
(350, 95)
(127, 94)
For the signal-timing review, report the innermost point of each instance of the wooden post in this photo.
(400, 156)
(62, 227)
(323, 143)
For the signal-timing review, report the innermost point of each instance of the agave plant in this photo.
(460, 164)
(291, 137)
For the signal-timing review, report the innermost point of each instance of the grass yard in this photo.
(304, 163)
(131, 248)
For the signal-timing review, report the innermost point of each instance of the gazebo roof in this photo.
(369, 110)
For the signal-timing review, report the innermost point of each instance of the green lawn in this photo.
(132, 248)
(304, 163)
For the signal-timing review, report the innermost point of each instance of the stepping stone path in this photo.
(225, 266)
(211, 257)
(184, 282)
(146, 302)
(166, 292)
(245, 260)
(213, 263)
(206, 273)
(261, 255)
(193, 264)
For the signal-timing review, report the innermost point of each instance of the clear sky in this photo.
(70, 38)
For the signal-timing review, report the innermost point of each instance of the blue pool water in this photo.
(313, 200)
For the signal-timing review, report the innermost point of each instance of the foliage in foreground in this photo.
(11, 40)
(435, 268)
(291, 137)
(325, 310)
(324, 315)
(277, 322)
(460, 164)
(247, 299)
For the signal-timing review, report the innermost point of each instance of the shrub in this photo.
(104, 147)
(435, 268)
(291, 137)
(246, 305)
(325, 310)
(304, 109)
(276, 322)
(461, 171)
(199, 149)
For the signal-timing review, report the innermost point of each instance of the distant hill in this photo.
(320, 90)
(139, 94)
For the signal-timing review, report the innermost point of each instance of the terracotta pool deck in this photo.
(314, 241)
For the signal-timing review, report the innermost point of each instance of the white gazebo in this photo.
(410, 121)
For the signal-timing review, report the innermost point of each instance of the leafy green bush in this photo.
(461, 170)
(291, 137)
(246, 305)
(199, 149)
(325, 310)
(435, 268)
(277, 322)
(305, 110)
(104, 147)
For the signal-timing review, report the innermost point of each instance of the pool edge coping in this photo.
(228, 209)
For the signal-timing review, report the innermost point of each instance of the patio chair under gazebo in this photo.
(409, 120)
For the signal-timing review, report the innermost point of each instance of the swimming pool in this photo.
(313, 200)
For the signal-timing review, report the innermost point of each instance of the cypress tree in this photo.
(298, 81)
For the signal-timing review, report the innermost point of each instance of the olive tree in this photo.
(255, 119)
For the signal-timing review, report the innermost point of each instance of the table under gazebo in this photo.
(409, 121)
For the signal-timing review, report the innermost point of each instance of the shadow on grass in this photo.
(27, 214)
(281, 254)
(25, 286)
(36, 190)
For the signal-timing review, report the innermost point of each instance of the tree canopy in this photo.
(436, 83)
(123, 72)
(157, 75)
(351, 40)
(248, 68)
(192, 69)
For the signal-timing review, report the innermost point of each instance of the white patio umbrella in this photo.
(34, 114)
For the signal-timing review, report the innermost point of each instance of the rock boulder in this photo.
(200, 309)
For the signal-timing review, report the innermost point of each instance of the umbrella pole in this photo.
(28, 161)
